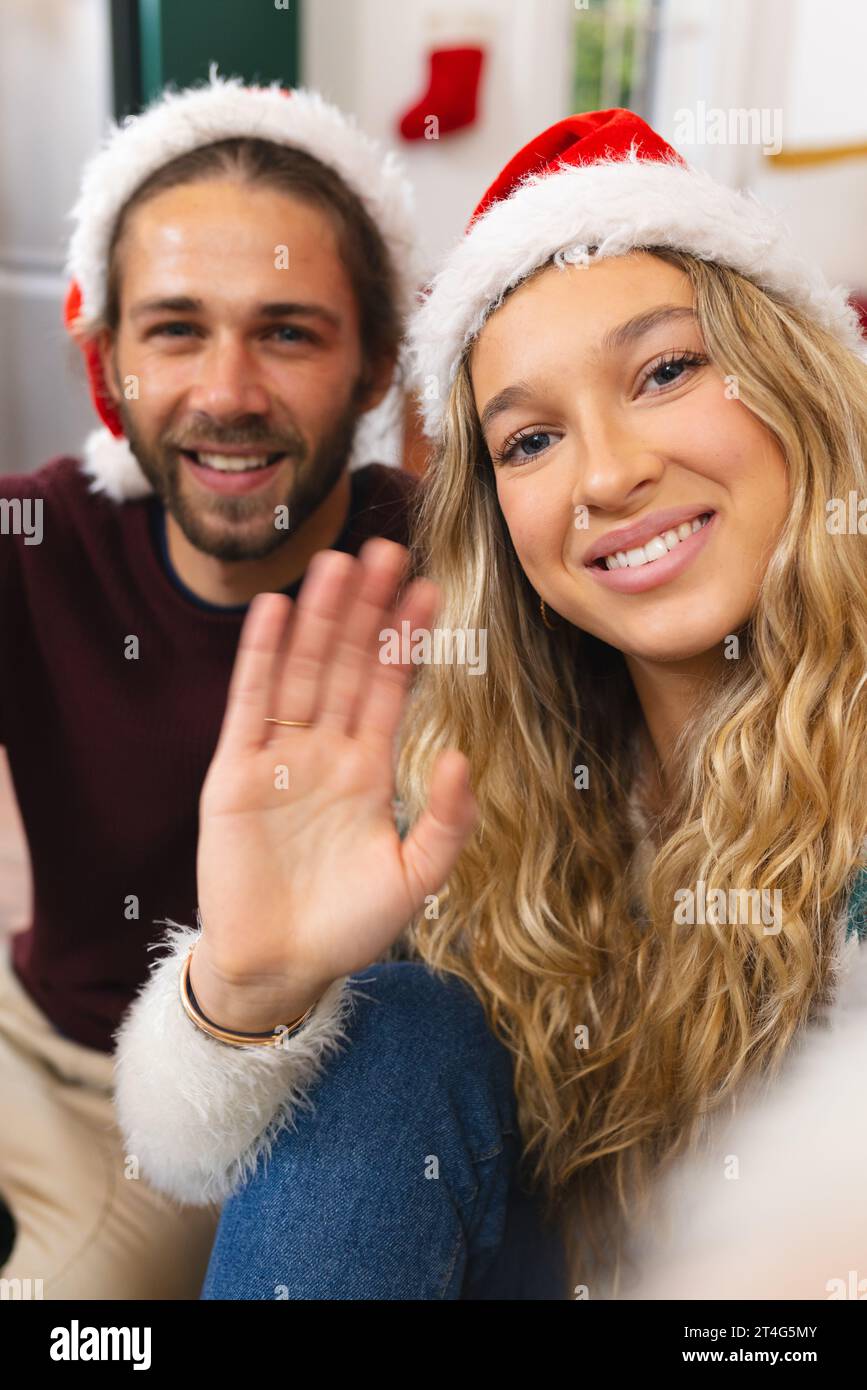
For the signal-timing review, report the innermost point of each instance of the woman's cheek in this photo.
(535, 541)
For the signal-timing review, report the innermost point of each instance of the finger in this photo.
(319, 614)
(383, 563)
(388, 681)
(431, 849)
(250, 689)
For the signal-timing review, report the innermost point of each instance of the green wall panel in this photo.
(253, 39)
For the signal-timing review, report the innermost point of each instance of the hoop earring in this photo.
(552, 627)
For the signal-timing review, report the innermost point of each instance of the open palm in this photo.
(302, 876)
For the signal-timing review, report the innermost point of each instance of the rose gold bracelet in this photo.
(227, 1035)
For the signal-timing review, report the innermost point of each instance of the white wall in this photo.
(803, 58)
(54, 104)
(825, 103)
(368, 56)
(806, 60)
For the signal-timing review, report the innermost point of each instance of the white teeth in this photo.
(233, 463)
(657, 547)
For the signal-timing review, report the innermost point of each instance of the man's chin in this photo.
(246, 526)
(239, 540)
(228, 528)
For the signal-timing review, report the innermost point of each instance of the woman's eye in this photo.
(530, 444)
(524, 446)
(672, 369)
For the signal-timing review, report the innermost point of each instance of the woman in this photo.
(648, 414)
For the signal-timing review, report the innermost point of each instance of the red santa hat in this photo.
(174, 124)
(602, 179)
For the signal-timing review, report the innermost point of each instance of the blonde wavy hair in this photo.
(538, 916)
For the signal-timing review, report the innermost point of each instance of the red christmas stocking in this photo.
(451, 95)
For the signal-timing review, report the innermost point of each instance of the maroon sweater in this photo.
(108, 755)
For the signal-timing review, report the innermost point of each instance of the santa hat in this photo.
(602, 179)
(172, 125)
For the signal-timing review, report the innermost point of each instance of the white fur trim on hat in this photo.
(617, 205)
(112, 467)
(177, 122)
(198, 1114)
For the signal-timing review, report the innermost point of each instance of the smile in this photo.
(659, 560)
(232, 475)
(654, 549)
(232, 463)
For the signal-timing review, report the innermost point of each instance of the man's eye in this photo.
(181, 330)
(298, 334)
(168, 329)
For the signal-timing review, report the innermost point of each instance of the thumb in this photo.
(431, 849)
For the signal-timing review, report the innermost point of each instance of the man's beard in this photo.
(315, 475)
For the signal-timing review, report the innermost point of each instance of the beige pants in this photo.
(84, 1229)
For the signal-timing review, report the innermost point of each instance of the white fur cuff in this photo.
(198, 1113)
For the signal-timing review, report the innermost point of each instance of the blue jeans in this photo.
(403, 1182)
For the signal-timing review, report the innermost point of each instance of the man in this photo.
(240, 266)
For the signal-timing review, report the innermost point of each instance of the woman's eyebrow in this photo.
(520, 392)
(626, 333)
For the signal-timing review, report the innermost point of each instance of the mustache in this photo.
(292, 445)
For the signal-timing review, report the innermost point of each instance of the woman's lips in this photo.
(649, 576)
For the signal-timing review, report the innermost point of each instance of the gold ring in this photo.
(290, 723)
